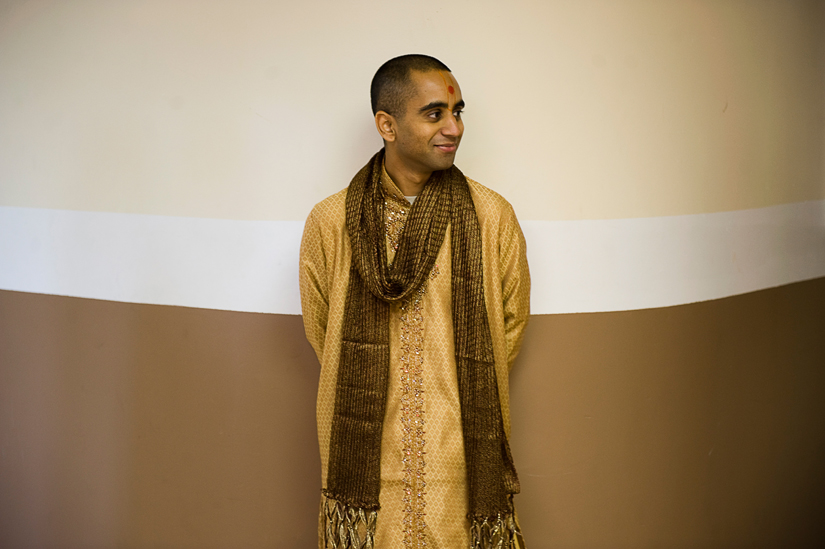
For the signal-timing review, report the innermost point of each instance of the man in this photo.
(415, 295)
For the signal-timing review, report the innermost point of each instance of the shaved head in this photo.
(391, 86)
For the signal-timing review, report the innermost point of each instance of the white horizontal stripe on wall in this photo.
(576, 266)
(625, 264)
(210, 263)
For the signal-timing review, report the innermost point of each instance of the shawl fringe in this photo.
(348, 527)
(499, 532)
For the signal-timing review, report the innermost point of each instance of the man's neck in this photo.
(409, 182)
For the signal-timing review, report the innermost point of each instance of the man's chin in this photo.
(445, 163)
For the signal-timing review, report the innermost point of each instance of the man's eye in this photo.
(435, 115)
(458, 114)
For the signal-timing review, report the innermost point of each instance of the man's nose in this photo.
(451, 126)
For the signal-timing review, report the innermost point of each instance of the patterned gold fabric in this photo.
(419, 327)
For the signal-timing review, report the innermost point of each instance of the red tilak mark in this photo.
(451, 89)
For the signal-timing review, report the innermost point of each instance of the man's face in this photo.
(429, 132)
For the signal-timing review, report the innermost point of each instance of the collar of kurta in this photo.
(391, 190)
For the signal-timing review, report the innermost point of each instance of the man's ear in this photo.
(386, 124)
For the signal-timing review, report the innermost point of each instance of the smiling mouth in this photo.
(448, 147)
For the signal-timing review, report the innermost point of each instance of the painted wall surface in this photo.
(158, 158)
(155, 152)
(130, 425)
(256, 110)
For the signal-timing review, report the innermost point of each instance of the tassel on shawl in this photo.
(348, 527)
(499, 532)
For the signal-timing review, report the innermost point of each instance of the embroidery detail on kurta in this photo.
(413, 418)
(396, 217)
(412, 391)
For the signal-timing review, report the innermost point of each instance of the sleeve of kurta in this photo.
(515, 284)
(314, 285)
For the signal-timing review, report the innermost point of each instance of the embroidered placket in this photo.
(412, 393)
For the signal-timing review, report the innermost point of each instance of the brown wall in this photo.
(151, 426)
(700, 425)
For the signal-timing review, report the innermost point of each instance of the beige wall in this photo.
(148, 426)
(256, 110)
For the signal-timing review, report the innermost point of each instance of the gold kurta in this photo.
(423, 478)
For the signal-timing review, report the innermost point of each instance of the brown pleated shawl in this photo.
(354, 473)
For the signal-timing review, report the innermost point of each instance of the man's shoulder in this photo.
(331, 210)
(489, 204)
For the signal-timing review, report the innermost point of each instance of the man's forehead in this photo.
(435, 84)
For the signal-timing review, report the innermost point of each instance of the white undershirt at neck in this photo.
(410, 199)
